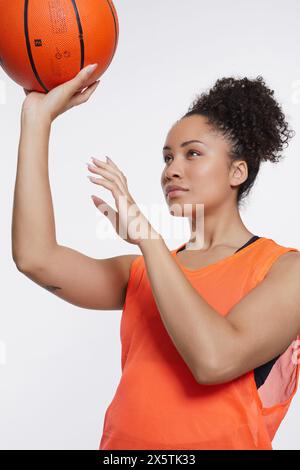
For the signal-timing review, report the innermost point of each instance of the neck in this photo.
(221, 227)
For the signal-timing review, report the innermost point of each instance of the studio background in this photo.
(60, 364)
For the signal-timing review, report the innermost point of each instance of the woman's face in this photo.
(201, 167)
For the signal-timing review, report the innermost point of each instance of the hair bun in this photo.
(245, 111)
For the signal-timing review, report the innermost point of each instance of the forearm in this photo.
(197, 330)
(33, 224)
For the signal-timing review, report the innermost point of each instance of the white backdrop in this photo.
(60, 364)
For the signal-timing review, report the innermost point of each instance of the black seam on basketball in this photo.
(115, 22)
(80, 33)
(116, 35)
(29, 47)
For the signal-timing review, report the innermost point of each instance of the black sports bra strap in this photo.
(252, 239)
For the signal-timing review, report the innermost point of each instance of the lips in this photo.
(175, 193)
(174, 188)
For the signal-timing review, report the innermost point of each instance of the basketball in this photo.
(45, 43)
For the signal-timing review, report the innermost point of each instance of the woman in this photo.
(208, 329)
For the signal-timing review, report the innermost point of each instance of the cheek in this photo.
(204, 175)
(209, 180)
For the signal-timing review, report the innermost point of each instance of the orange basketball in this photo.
(44, 43)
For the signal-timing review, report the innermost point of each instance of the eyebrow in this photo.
(166, 147)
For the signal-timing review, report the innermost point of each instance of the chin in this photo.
(178, 209)
(186, 209)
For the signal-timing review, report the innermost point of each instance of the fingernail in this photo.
(91, 68)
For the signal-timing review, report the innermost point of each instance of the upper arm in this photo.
(265, 322)
(87, 282)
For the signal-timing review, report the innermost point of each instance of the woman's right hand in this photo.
(61, 98)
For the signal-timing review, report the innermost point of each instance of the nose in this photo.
(173, 169)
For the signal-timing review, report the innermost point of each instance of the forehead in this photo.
(194, 127)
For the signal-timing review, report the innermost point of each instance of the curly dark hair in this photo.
(245, 112)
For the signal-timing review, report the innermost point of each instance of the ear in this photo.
(238, 172)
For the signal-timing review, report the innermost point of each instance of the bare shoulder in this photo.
(127, 261)
(286, 265)
(131, 258)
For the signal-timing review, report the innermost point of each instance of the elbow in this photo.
(213, 374)
(207, 373)
(217, 375)
(24, 265)
(207, 376)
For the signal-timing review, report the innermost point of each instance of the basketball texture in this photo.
(44, 43)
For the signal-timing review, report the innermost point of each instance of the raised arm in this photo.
(73, 276)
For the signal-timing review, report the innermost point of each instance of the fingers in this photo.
(105, 169)
(107, 174)
(107, 210)
(97, 200)
(111, 181)
(81, 80)
(82, 97)
(107, 177)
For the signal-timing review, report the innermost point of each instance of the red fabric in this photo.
(158, 404)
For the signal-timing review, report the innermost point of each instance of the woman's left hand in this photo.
(129, 222)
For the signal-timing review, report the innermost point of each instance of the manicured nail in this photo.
(91, 68)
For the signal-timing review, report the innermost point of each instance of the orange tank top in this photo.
(159, 405)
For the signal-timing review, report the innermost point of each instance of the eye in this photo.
(193, 151)
(190, 151)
